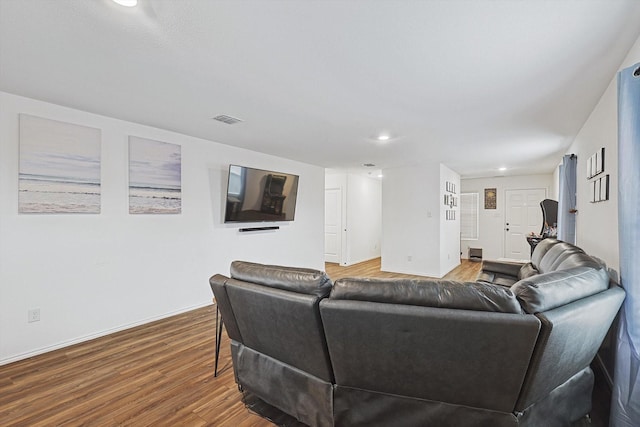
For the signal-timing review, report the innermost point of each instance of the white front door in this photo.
(333, 225)
(523, 215)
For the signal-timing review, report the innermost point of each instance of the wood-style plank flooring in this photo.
(466, 271)
(158, 374)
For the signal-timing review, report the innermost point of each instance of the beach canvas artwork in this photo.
(59, 169)
(154, 177)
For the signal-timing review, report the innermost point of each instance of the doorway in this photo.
(333, 225)
(522, 216)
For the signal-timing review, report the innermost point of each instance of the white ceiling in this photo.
(473, 84)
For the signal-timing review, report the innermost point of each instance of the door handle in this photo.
(506, 229)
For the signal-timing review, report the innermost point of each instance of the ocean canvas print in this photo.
(154, 177)
(59, 169)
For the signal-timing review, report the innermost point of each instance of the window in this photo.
(236, 180)
(469, 216)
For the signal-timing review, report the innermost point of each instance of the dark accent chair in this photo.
(549, 216)
(380, 352)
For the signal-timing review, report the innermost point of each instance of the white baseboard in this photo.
(348, 264)
(42, 350)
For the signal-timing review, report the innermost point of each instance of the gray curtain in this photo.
(625, 405)
(567, 199)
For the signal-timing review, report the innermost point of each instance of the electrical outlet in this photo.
(409, 258)
(33, 315)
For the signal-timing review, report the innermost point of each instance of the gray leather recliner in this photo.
(278, 347)
(380, 352)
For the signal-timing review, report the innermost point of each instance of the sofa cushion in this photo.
(527, 270)
(503, 281)
(556, 255)
(428, 293)
(503, 273)
(579, 259)
(301, 280)
(541, 250)
(503, 268)
(485, 276)
(495, 279)
(544, 292)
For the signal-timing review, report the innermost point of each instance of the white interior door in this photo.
(333, 225)
(523, 215)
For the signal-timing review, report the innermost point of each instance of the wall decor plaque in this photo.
(490, 198)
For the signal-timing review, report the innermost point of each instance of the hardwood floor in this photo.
(158, 374)
(466, 271)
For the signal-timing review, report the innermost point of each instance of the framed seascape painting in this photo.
(155, 177)
(59, 170)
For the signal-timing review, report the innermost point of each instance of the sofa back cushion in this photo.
(555, 255)
(541, 250)
(428, 293)
(300, 280)
(578, 259)
(281, 324)
(277, 313)
(547, 291)
(462, 357)
(527, 270)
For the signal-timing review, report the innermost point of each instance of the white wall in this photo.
(597, 223)
(492, 221)
(362, 215)
(94, 274)
(410, 220)
(413, 229)
(449, 229)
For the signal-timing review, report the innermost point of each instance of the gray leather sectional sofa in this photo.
(511, 349)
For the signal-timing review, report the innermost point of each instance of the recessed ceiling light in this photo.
(383, 137)
(502, 169)
(127, 3)
(380, 176)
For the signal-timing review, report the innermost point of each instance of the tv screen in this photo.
(256, 195)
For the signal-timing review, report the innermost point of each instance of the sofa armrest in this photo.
(218, 284)
(502, 267)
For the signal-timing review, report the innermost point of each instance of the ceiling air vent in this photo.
(369, 165)
(227, 119)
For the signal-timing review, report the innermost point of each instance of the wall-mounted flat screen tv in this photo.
(256, 195)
